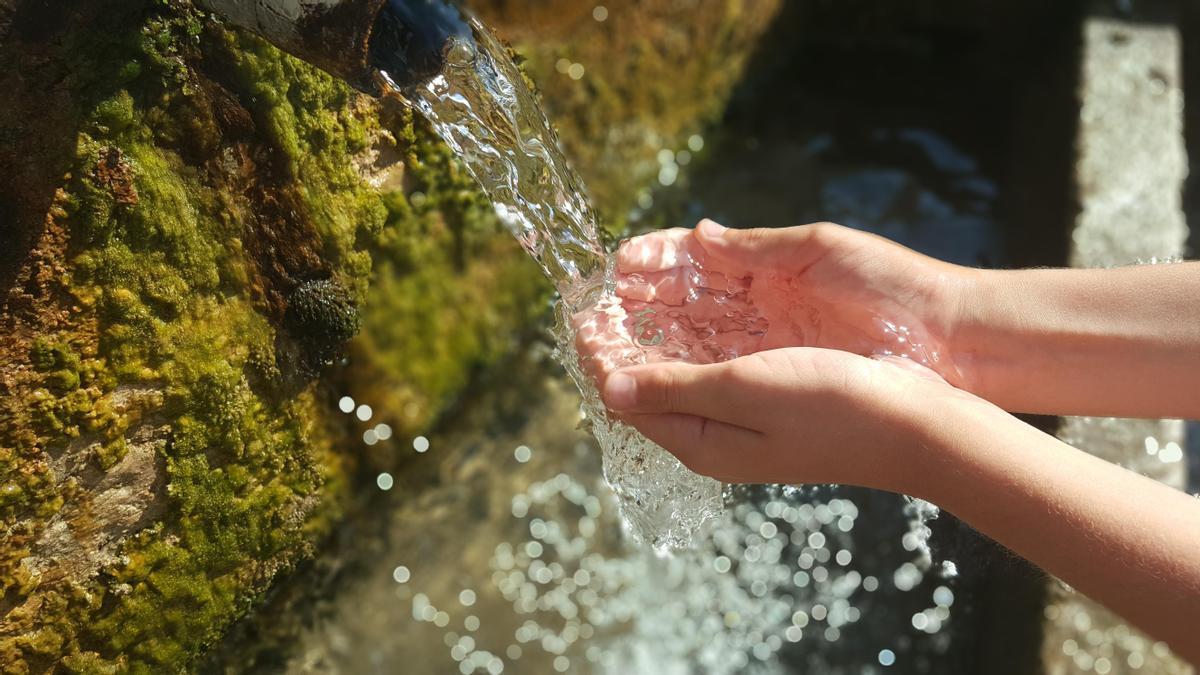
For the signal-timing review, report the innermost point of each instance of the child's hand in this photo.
(818, 285)
(712, 294)
(795, 415)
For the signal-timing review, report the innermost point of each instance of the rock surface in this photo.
(192, 225)
(1130, 169)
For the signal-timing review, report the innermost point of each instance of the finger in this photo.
(705, 446)
(672, 287)
(711, 391)
(602, 341)
(793, 248)
(658, 251)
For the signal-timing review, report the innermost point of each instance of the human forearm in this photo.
(1120, 342)
(1122, 539)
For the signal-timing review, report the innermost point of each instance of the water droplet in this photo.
(460, 53)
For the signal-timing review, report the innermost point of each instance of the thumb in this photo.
(709, 391)
(791, 248)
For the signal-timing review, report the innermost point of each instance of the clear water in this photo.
(480, 105)
(515, 560)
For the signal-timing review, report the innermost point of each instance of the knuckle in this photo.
(664, 385)
(755, 237)
(823, 233)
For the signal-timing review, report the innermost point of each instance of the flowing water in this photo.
(511, 557)
(481, 107)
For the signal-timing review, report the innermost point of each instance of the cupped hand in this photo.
(819, 285)
(713, 294)
(789, 415)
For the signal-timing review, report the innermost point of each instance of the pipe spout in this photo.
(355, 39)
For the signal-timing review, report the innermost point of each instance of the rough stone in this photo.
(1129, 172)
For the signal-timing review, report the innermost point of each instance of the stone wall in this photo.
(194, 227)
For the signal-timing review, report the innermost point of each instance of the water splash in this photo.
(671, 308)
(481, 107)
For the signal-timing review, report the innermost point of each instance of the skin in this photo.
(805, 402)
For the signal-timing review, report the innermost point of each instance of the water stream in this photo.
(517, 560)
(483, 109)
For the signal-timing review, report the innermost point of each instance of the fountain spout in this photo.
(351, 39)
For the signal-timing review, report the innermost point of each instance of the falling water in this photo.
(479, 104)
(780, 579)
(481, 107)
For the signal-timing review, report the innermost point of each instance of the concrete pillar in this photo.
(1130, 167)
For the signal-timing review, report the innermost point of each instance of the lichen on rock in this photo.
(195, 225)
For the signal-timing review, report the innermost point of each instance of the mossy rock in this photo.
(206, 244)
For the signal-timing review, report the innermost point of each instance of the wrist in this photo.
(979, 339)
(933, 433)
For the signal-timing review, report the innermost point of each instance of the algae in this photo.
(201, 224)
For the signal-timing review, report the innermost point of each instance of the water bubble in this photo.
(722, 564)
(668, 174)
(401, 574)
(1170, 453)
(471, 623)
(695, 143)
(943, 596)
(363, 412)
(385, 481)
(561, 663)
(383, 431)
(523, 453)
(562, 65)
(575, 71)
(346, 404)
(887, 657)
(460, 53)
(467, 597)
(370, 437)
(600, 13)
(420, 444)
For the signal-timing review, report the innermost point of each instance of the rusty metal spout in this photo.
(354, 39)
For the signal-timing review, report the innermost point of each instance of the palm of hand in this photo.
(678, 301)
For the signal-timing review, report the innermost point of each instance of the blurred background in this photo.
(277, 392)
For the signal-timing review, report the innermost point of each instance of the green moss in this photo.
(172, 298)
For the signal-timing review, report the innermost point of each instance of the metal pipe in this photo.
(333, 35)
(354, 39)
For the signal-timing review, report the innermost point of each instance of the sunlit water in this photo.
(480, 105)
(748, 584)
(482, 108)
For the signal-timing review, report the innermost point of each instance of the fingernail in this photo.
(620, 392)
(711, 229)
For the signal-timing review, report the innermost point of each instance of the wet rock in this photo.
(321, 317)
